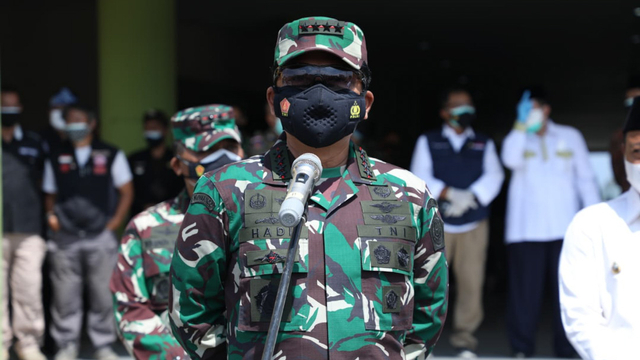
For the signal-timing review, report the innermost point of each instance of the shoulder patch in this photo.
(437, 233)
(432, 203)
(203, 199)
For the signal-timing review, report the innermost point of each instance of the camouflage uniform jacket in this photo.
(140, 282)
(370, 280)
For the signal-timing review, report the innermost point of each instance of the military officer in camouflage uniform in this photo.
(370, 277)
(206, 138)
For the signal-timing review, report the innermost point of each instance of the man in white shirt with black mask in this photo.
(599, 267)
(551, 181)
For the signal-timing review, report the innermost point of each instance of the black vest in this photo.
(459, 169)
(86, 195)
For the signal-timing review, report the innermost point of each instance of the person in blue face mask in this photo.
(463, 171)
(153, 179)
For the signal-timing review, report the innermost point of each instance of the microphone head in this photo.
(311, 160)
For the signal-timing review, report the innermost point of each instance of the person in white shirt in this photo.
(88, 187)
(599, 267)
(551, 181)
(463, 171)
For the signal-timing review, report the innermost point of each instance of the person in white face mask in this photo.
(551, 181)
(153, 179)
(599, 268)
(54, 134)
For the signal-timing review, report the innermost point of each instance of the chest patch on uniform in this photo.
(386, 207)
(391, 299)
(162, 237)
(382, 254)
(403, 257)
(263, 294)
(381, 193)
(437, 233)
(205, 200)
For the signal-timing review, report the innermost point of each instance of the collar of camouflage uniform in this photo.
(278, 161)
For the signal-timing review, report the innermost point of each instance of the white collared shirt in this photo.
(552, 179)
(600, 279)
(485, 188)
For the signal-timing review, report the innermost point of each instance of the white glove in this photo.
(460, 202)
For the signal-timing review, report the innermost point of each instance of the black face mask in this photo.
(8, 120)
(212, 162)
(318, 116)
(152, 143)
(464, 120)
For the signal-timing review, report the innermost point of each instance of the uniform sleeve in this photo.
(120, 170)
(431, 284)
(580, 284)
(198, 270)
(513, 149)
(422, 166)
(585, 178)
(488, 185)
(142, 331)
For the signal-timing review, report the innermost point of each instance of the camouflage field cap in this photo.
(200, 128)
(318, 33)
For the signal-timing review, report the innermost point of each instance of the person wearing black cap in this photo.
(551, 181)
(599, 268)
(153, 179)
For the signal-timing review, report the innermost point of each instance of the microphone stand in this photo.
(283, 289)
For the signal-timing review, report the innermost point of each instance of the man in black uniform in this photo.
(153, 179)
(23, 249)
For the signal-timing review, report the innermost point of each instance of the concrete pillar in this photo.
(136, 66)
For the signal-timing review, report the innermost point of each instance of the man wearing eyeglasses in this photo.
(370, 277)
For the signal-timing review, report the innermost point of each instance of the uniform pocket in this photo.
(261, 263)
(387, 279)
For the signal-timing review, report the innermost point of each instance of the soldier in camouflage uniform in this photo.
(206, 138)
(370, 278)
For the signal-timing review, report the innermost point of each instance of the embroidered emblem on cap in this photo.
(257, 201)
(284, 107)
(388, 219)
(382, 254)
(272, 257)
(386, 207)
(383, 192)
(403, 257)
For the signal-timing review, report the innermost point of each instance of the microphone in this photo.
(305, 173)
